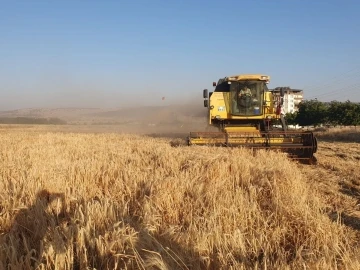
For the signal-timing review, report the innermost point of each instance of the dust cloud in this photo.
(170, 117)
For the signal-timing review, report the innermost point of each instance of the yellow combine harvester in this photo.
(248, 114)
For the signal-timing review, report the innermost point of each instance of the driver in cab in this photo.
(245, 92)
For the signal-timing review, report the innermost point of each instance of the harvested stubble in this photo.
(344, 134)
(108, 201)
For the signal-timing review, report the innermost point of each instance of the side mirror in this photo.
(205, 93)
(214, 84)
(206, 104)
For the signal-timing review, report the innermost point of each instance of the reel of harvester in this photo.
(298, 145)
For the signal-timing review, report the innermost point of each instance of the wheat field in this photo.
(117, 201)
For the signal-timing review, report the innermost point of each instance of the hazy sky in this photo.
(113, 53)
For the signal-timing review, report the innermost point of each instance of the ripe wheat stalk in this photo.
(115, 201)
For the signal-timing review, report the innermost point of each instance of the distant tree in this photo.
(335, 113)
(291, 118)
(344, 113)
(350, 114)
(31, 121)
(312, 112)
(56, 121)
(357, 115)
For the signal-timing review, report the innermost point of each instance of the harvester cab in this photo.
(248, 114)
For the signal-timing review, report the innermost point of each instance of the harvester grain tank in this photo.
(247, 114)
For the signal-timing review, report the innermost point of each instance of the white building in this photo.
(292, 98)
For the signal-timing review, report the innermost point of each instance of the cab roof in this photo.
(243, 77)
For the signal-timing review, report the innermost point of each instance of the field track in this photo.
(337, 177)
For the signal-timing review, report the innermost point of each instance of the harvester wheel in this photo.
(313, 160)
(315, 144)
(188, 141)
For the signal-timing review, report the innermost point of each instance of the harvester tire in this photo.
(315, 144)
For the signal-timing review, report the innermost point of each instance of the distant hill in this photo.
(153, 115)
(49, 112)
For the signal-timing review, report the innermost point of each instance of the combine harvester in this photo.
(247, 114)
